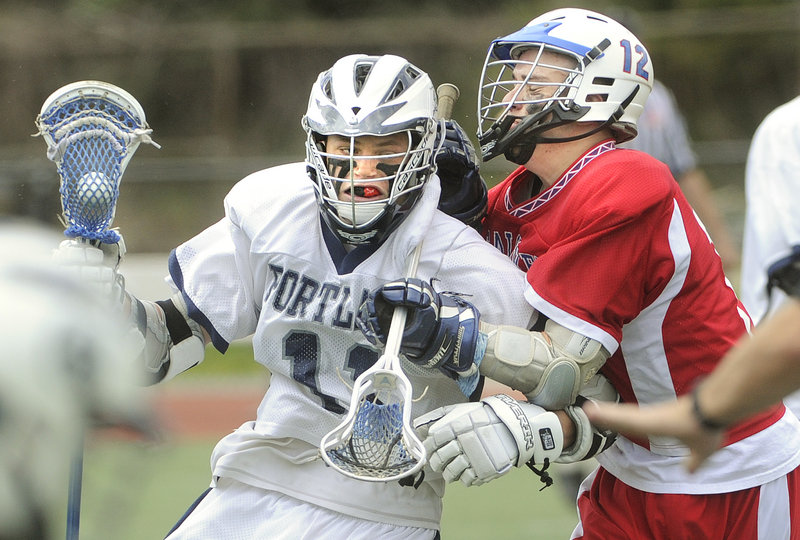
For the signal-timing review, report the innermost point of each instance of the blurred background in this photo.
(224, 83)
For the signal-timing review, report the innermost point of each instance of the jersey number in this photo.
(628, 61)
(302, 349)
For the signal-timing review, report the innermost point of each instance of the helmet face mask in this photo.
(370, 142)
(568, 65)
(363, 201)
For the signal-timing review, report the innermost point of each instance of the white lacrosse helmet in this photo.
(609, 82)
(370, 95)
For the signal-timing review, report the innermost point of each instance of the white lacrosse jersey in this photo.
(266, 270)
(771, 237)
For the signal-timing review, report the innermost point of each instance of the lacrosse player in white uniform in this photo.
(771, 238)
(300, 248)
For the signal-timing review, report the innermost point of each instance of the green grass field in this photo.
(136, 491)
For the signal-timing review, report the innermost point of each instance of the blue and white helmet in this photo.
(370, 95)
(607, 81)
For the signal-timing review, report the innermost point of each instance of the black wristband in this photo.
(787, 276)
(704, 421)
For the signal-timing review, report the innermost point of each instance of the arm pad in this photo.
(173, 341)
(549, 367)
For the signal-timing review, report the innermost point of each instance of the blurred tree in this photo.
(225, 83)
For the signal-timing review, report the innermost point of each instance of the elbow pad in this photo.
(549, 367)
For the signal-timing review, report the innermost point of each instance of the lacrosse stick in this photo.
(376, 442)
(92, 129)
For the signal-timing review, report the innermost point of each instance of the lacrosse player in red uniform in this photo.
(625, 280)
(300, 247)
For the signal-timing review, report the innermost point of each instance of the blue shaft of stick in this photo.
(74, 496)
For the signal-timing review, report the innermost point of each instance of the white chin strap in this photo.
(363, 213)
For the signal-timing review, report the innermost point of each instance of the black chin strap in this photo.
(518, 148)
(521, 152)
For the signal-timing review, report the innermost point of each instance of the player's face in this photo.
(536, 81)
(375, 161)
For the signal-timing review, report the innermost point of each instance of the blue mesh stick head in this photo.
(375, 441)
(92, 130)
(376, 448)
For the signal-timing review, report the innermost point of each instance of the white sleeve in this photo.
(772, 220)
(213, 273)
(488, 279)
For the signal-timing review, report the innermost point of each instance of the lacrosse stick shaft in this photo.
(395, 335)
(447, 94)
(74, 494)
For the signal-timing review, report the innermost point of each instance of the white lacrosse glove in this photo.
(96, 264)
(478, 442)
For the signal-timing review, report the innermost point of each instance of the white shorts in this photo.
(233, 510)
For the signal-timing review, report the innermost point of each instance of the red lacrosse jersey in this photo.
(614, 251)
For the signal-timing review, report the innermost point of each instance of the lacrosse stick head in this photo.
(92, 129)
(375, 442)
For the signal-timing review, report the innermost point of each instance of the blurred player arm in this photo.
(172, 342)
(758, 372)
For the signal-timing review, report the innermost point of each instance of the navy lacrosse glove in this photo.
(464, 193)
(441, 329)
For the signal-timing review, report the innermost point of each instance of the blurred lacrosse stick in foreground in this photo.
(92, 129)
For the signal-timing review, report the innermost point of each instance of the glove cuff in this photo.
(537, 432)
(589, 440)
